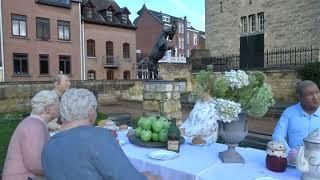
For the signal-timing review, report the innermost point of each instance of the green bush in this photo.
(8, 123)
(310, 71)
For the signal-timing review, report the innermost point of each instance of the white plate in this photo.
(122, 142)
(163, 155)
(292, 165)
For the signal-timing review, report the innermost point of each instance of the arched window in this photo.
(91, 75)
(126, 50)
(110, 75)
(109, 52)
(91, 49)
(126, 74)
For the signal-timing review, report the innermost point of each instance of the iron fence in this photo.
(276, 59)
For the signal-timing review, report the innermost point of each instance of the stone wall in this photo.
(176, 71)
(17, 96)
(163, 97)
(283, 83)
(287, 24)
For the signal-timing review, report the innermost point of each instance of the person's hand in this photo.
(150, 176)
(292, 156)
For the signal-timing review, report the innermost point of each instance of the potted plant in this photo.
(236, 94)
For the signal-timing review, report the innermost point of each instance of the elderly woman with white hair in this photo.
(82, 151)
(23, 158)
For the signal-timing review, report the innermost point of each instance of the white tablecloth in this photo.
(203, 163)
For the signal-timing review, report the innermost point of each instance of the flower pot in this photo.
(233, 133)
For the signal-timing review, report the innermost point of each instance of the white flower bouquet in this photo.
(235, 92)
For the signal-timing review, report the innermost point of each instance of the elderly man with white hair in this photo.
(61, 84)
(23, 158)
(82, 151)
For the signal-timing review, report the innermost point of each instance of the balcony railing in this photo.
(110, 62)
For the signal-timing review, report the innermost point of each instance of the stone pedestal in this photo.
(163, 97)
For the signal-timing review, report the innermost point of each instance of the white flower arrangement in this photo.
(227, 110)
(237, 79)
(235, 92)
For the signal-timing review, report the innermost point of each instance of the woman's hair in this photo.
(42, 100)
(75, 104)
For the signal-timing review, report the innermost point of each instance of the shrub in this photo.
(310, 71)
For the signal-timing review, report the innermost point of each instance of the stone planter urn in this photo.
(233, 133)
(308, 160)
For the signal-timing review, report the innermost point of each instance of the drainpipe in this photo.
(81, 54)
(1, 43)
(185, 37)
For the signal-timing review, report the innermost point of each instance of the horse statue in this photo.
(159, 50)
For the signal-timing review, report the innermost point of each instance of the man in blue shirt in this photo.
(299, 120)
(81, 151)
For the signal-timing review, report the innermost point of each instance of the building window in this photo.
(182, 43)
(182, 28)
(252, 23)
(44, 63)
(188, 37)
(64, 30)
(124, 18)
(20, 63)
(195, 39)
(126, 74)
(109, 52)
(166, 18)
(19, 25)
(109, 15)
(65, 64)
(179, 43)
(91, 52)
(89, 12)
(110, 75)
(261, 21)
(61, 3)
(244, 25)
(126, 50)
(91, 75)
(43, 28)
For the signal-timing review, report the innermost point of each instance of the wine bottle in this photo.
(173, 137)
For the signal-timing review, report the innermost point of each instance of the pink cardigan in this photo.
(24, 152)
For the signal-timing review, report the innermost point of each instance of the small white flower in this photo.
(237, 79)
(227, 110)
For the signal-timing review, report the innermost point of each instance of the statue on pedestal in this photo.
(159, 50)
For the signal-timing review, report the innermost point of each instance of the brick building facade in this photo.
(149, 25)
(40, 39)
(268, 24)
(110, 41)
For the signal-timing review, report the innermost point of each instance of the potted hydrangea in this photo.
(236, 94)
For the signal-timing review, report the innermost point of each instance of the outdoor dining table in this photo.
(202, 163)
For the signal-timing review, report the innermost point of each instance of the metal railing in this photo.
(276, 59)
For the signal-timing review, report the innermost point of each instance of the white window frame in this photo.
(19, 25)
(252, 23)
(165, 18)
(195, 39)
(261, 21)
(244, 25)
(109, 15)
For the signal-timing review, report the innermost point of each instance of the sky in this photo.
(193, 9)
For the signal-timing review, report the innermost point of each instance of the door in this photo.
(252, 51)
